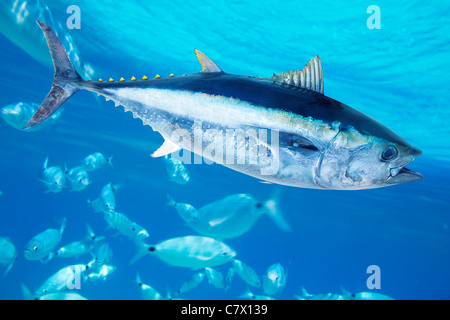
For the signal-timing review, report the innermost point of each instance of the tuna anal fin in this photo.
(167, 147)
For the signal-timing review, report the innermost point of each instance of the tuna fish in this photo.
(315, 141)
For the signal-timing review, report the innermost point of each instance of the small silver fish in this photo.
(62, 296)
(274, 279)
(230, 276)
(229, 217)
(365, 295)
(96, 161)
(78, 178)
(100, 272)
(148, 292)
(106, 202)
(51, 296)
(102, 254)
(53, 177)
(61, 279)
(176, 170)
(125, 226)
(215, 278)
(41, 246)
(8, 254)
(250, 295)
(246, 273)
(187, 212)
(78, 248)
(192, 282)
(321, 296)
(193, 252)
(17, 115)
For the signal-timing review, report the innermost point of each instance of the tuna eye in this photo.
(35, 248)
(390, 153)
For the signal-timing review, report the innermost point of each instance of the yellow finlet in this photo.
(133, 78)
(111, 80)
(157, 76)
(144, 78)
(100, 80)
(122, 79)
(172, 75)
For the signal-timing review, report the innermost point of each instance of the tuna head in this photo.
(342, 157)
(353, 160)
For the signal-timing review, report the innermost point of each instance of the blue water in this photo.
(397, 75)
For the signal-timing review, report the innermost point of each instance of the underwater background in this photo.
(397, 74)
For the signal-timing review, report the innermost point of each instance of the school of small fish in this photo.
(203, 253)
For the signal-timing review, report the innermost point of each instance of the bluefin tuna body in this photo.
(282, 130)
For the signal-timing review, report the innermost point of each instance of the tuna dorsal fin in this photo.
(311, 77)
(166, 148)
(207, 64)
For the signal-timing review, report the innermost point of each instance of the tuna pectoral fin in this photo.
(167, 147)
(66, 81)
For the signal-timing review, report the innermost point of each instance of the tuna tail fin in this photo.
(66, 83)
(273, 210)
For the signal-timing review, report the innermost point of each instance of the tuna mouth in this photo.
(402, 175)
